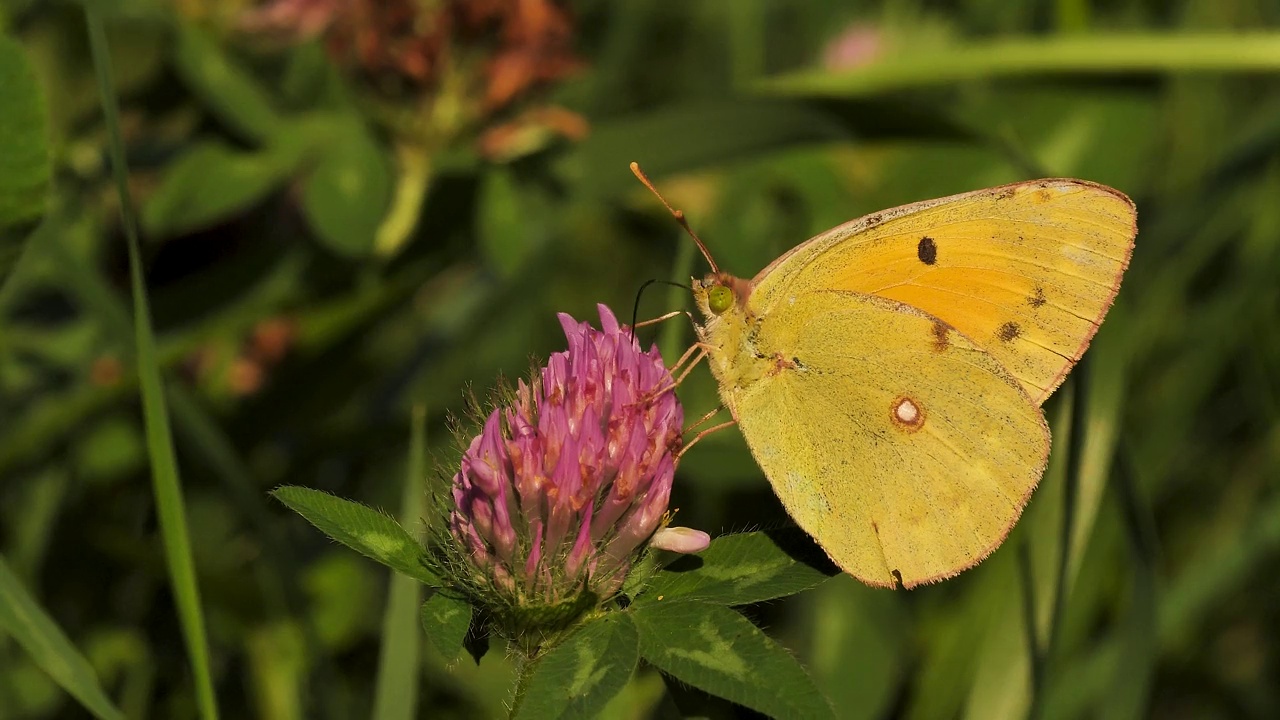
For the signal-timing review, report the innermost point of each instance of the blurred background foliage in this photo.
(349, 208)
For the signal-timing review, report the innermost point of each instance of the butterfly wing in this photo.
(1028, 271)
(904, 449)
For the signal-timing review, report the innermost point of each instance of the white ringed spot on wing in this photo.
(907, 414)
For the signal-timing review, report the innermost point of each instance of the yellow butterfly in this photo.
(888, 373)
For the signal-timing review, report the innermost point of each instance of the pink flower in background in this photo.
(857, 45)
(568, 481)
(296, 19)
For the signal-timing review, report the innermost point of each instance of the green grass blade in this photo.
(671, 339)
(1035, 655)
(166, 486)
(1022, 57)
(280, 568)
(396, 695)
(1071, 492)
(1131, 686)
(23, 618)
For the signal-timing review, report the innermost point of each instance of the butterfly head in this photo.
(720, 293)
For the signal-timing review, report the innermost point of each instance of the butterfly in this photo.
(888, 374)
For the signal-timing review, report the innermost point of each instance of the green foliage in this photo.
(445, 620)
(509, 229)
(718, 650)
(577, 677)
(1097, 53)
(22, 618)
(24, 154)
(396, 697)
(228, 90)
(330, 242)
(741, 569)
(209, 183)
(371, 533)
(346, 194)
(165, 481)
(858, 653)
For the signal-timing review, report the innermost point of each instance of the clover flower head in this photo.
(568, 481)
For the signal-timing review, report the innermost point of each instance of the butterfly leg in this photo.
(698, 357)
(697, 352)
(703, 434)
(715, 411)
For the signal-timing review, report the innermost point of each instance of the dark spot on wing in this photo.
(940, 340)
(927, 250)
(1037, 298)
(1007, 193)
(875, 528)
(1008, 331)
(897, 578)
(873, 221)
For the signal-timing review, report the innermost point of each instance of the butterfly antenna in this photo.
(677, 214)
(635, 311)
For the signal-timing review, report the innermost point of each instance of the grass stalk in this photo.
(166, 485)
(396, 691)
(1093, 54)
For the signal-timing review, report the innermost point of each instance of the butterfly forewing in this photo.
(1027, 271)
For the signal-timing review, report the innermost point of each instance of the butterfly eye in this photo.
(719, 299)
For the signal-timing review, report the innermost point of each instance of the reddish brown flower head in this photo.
(514, 45)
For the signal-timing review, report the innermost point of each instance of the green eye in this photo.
(719, 299)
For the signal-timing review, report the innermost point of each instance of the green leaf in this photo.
(347, 194)
(445, 619)
(25, 166)
(229, 90)
(210, 183)
(23, 618)
(743, 568)
(361, 528)
(717, 650)
(579, 676)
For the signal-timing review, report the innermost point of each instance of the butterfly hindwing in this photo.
(904, 449)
